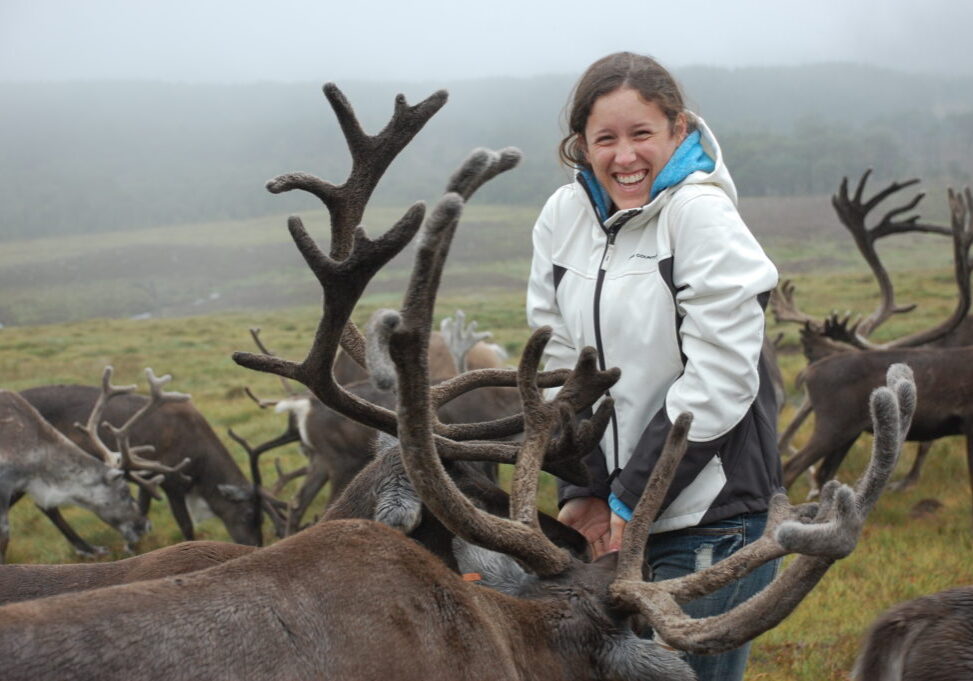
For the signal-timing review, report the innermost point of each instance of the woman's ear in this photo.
(582, 146)
(682, 126)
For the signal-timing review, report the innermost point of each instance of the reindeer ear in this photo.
(235, 492)
(114, 473)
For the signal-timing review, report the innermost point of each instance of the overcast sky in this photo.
(438, 40)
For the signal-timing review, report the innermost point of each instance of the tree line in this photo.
(85, 157)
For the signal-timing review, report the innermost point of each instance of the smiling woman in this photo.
(645, 257)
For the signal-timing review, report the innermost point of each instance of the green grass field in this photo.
(899, 556)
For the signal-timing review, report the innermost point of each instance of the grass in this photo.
(899, 557)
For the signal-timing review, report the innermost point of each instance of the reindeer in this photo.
(211, 482)
(38, 460)
(929, 638)
(337, 448)
(943, 383)
(384, 607)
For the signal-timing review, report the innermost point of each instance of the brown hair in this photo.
(623, 69)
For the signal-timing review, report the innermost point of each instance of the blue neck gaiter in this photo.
(688, 157)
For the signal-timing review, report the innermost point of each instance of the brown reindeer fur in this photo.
(282, 612)
(926, 639)
(25, 582)
(838, 386)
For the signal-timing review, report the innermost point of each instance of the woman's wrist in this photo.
(619, 507)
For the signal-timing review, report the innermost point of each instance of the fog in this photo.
(244, 41)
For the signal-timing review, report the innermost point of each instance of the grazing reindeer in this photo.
(941, 389)
(211, 482)
(279, 613)
(37, 460)
(929, 638)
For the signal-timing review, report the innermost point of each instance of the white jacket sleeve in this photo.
(719, 270)
(542, 307)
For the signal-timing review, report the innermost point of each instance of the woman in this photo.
(645, 257)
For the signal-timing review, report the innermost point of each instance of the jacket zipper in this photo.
(602, 270)
(611, 233)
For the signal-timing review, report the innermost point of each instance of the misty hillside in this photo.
(101, 156)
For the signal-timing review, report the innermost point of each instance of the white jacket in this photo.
(694, 347)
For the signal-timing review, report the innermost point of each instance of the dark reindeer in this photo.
(929, 638)
(210, 481)
(347, 599)
(38, 460)
(941, 381)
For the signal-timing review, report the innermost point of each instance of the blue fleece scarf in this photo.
(688, 157)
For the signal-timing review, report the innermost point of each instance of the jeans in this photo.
(673, 554)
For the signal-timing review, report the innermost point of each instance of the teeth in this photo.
(634, 178)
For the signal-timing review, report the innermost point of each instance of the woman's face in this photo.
(627, 141)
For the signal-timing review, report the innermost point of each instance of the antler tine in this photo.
(460, 337)
(636, 535)
(131, 460)
(821, 534)
(150, 485)
(288, 388)
(539, 425)
(262, 403)
(108, 391)
(961, 230)
(783, 306)
(481, 166)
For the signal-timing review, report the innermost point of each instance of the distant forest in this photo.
(101, 156)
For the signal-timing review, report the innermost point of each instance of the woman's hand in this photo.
(592, 518)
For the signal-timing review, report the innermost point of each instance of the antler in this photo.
(821, 533)
(263, 500)
(129, 458)
(461, 337)
(783, 306)
(406, 335)
(371, 156)
(344, 280)
(354, 258)
(852, 212)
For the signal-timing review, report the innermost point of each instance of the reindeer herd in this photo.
(422, 566)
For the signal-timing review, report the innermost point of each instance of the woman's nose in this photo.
(625, 153)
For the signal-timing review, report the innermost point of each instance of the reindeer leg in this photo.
(969, 454)
(912, 478)
(5, 505)
(799, 417)
(177, 504)
(145, 500)
(831, 462)
(820, 446)
(79, 544)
